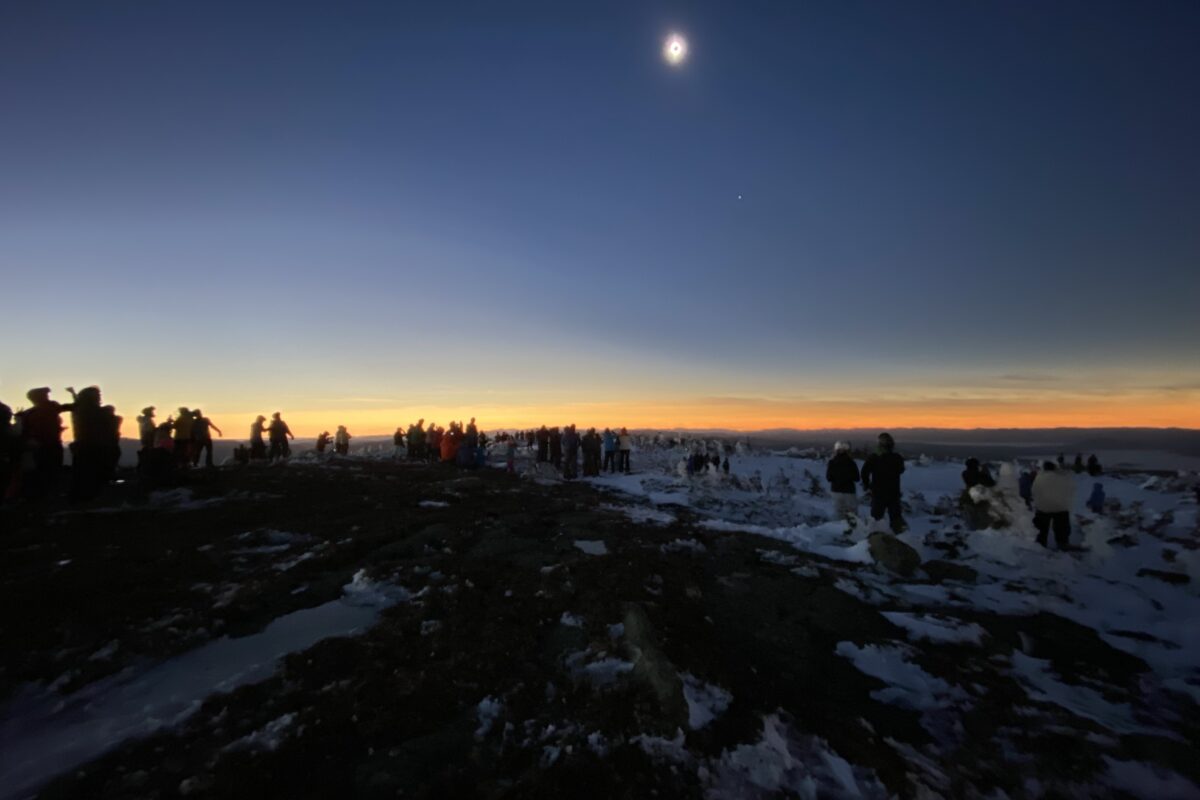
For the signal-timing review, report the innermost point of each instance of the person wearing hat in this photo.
(842, 474)
(41, 437)
(258, 448)
(146, 426)
(881, 477)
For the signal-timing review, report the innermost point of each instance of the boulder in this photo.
(893, 554)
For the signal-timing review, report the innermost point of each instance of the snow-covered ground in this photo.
(1133, 577)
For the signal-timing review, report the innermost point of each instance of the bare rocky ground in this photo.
(681, 662)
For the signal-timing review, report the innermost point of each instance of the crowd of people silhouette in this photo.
(32, 457)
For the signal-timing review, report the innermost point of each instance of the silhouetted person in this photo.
(570, 455)
(10, 453)
(843, 476)
(1093, 466)
(1096, 501)
(416, 440)
(556, 454)
(1053, 493)
(433, 442)
(972, 476)
(591, 446)
(341, 441)
(278, 433)
(543, 445)
(202, 428)
(322, 441)
(624, 448)
(472, 437)
(146, 426)
(41, 443)
(725, 465)
(93, 428)
(183, 436)
(881, 477)
(258, 447)
(1078, 465)
(610, 450)
(397, 443)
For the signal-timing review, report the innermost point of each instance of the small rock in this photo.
(893, 554)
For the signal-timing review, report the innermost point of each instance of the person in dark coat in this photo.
(41, 439)
(92, 429)
(556, 454)
(1095, 502)
(1078, 465)
(323, 439)
(1093, 466)
(202, 428)
(1025, 486)
(971, 476)
(543, 445)
(881, 477)
(279, 433)
(570, 455)
(843, 476)
(591, 445)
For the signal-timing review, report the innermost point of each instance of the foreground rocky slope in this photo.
(528, 640)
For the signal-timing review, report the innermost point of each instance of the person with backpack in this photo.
(881, 478)
(843, 476)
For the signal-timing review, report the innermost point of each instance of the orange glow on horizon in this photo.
(744, 416)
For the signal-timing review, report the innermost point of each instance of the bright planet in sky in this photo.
(675, 49)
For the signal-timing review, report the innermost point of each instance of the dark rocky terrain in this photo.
(518, 664)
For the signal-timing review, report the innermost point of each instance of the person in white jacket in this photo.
(1053, 495)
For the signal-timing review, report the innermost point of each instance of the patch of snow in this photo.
(909, 686)
(268, 737)
(705, 701)
(571, 620)
(936, 628)
(487, 712)
(433, 504)
(593, 547)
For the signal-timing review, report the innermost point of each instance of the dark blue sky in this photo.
(936, 198)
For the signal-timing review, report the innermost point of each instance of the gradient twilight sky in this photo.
(963, 214)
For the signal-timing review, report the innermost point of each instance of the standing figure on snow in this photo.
(556, 454)
(570, 446)
(1025, 486)
(842, 474)
(590, 444)
(510, 455)
(881, 477)
(610, 451)
(1053, 493)
(624, 448)
(322, 442)
(397, 443)
(1093, 466)
(543, 445)
(202, 428)
(341, 441)
(279, 433)
(1096, 501)
(1078, 465)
